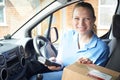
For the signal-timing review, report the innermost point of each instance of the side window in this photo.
(62, 19)
(2, 12)
(41, 28)
(106, 10)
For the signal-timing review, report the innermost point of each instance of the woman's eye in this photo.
(86, 19)
(76, 18)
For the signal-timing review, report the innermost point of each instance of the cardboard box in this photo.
(78, 71)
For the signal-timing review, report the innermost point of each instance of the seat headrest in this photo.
(116, 26)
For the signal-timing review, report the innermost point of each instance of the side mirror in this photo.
(54, 34)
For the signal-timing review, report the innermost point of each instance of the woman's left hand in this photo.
(53, 59)
(54, 68)
(84, 60)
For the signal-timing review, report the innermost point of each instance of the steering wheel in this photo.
(44, 47)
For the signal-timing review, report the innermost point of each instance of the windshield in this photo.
(14, 13)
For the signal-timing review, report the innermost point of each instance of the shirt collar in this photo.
(92, 42)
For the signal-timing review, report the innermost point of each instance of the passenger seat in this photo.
(114, 45)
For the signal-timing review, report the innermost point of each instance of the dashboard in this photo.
(12, 61)
(17, 59)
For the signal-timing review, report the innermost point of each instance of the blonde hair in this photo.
(94, 29)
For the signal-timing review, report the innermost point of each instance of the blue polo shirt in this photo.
(96, 50)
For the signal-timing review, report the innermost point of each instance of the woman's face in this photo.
(83, 21)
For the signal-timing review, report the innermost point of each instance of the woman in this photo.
(80, 44)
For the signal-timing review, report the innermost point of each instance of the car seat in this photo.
(114, 45)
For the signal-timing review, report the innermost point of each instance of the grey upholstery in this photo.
(114, 60)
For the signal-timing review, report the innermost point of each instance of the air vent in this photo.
(2, 60)
(21, 50)
(3, 74)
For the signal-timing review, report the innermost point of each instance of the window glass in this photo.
(14, 13)
(108, 2)
(1, 15)
(41, 28)
(62, 19)
(106, 10)
(1, 0)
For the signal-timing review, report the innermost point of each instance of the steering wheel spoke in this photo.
(44, 47)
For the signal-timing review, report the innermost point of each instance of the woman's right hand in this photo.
(84, 60)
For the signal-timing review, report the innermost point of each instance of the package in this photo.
(79, 71)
